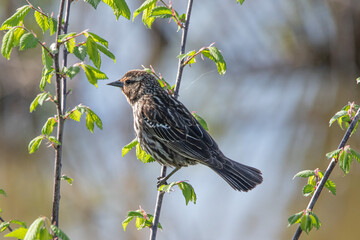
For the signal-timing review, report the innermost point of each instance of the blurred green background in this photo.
(291, 66)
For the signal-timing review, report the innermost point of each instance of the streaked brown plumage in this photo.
(168, 132)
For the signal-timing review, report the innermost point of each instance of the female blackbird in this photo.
(168, 132)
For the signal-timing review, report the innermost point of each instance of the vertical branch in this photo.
(65, 53)
(60, 102)
(160, 194)
(182, 49)
(328, 171)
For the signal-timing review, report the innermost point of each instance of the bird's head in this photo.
(136, 83)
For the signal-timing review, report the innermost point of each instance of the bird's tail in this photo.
(239, 176)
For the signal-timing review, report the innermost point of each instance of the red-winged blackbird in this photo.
(168, 132)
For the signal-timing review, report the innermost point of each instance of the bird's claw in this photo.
(161, 181)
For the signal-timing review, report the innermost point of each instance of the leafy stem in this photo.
(328, 171)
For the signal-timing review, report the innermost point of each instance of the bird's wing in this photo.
(176, 128)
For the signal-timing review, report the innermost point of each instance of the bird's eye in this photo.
(128, 81)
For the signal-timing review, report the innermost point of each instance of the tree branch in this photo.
(182, 49)
(330, 168)
(60, 106)
(160, 194)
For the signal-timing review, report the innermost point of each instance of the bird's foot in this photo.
(161, 181)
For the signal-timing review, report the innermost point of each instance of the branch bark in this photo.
(160, 195)
(60, 86)
(328, 171)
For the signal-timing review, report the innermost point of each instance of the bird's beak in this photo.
(116, 84)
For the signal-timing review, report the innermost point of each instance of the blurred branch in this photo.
(329, 170)
(160, 194)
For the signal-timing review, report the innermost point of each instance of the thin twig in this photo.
(60, 127)
(76, 35)
(10, 229)
(328, 171)
(160, 194)
(182, 49)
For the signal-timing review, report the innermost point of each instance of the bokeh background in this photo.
(291, 66)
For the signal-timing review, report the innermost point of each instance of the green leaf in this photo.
(48, 126)
(72, 71)
(46, 59)
(75, 115)
(106, 52)
(333, 154)
(93, 52)
(98, 39)
(2, 192)
(355, 154)
(140, 223)
(119, 7)
(80, 52)
(34, 229)
(46, 77)
(70, 45)
(39, 99)
(201, 121)
(68, 179)
(93, 3)
(18, 33)
(308, 190)
(188, 192)
(43, 97)
(305, 174)
(129, 146)
(44, 234)
(52, 25)
(93, 74)
(90, 123)
(42, 21)
(28, 40)
(8, 42)
(161, 12)
(296, 218)
(142, 155)
(54, 140)
(240, 1)
(135, 214)
(146, 9)
(215, 55)
(18, 222)
(146, 18)
(306, 223)
(126, 222)
(345, 160)
(338, 116)
(315, 220)
(59, 233)
(17, 233)
(146, 5)
(330, 185)
(95, 118)
(35, 144)
(15, 19)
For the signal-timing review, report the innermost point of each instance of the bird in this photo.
(167, 131)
